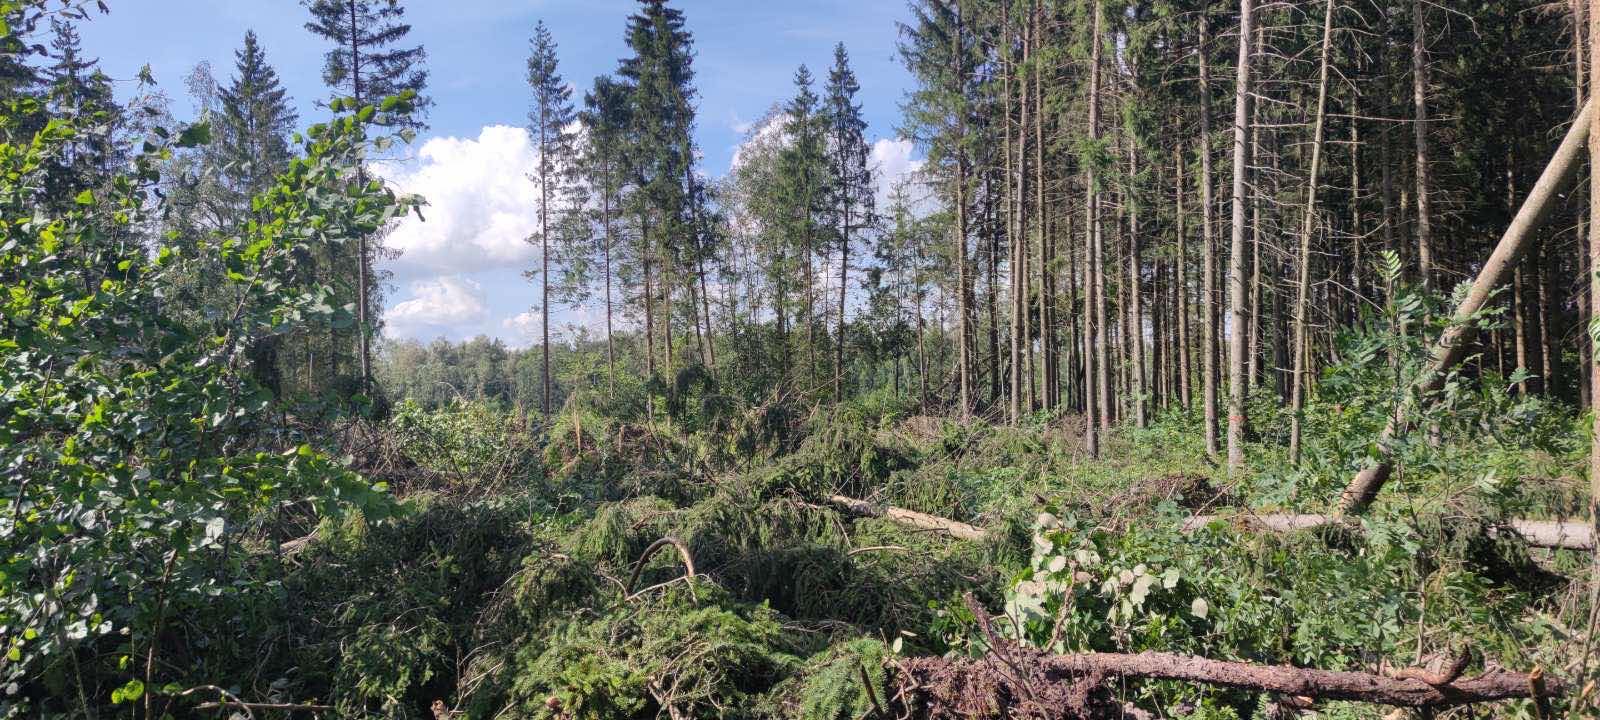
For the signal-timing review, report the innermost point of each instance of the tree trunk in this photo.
(1093, 363)
(1238, 321)
(1419, 98)
(1208, 278)
(1302, 304)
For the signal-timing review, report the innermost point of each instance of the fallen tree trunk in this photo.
(1032, 684)
(1553, 534)
(909, 518)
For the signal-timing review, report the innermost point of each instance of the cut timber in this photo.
(1456, 341)
(1552, 534)
(910, 518)
(1035, 683)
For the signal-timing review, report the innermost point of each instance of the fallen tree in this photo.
(1029, 683)
(1551, 534)
(909, 518)
(1456, 342)
(1021, 682)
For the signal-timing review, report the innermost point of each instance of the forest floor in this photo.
(713, 571)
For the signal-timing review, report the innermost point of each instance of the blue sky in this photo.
(461, 273)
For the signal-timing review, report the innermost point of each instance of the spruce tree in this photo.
(254, 123)
(365, 65)
(660, 74)
(79, 90)
(850, 191)
(603, 165)
(802, 190)
(548, 122)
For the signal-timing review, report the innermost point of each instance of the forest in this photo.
(1218, 360)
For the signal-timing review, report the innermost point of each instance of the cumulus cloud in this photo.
(524, 328)
(439, 304)
(480, 208)
(893, 161)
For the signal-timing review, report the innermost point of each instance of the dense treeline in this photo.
(1091, 233)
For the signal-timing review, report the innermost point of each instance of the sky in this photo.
(461, 273)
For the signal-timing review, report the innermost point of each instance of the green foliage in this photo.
(671, 654)
(136, 446)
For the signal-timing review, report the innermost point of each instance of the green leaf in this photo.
(130, 692)
(85, 198)
(195, 135)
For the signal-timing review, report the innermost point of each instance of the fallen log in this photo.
(1552, 534)
(1011, 680)
(1036, 684)
(909, 518)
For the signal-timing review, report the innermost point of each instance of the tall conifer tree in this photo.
(548, 125)
(365, 64)
(851, 191)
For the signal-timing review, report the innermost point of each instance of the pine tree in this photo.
(364, 65)
(254, 123)
(850, 189)
(548, 122)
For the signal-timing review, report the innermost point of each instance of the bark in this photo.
(1093, 327)
(1552, 534)
(1208, 277)
(1238, 319)
(1456, 341)
(909, 518)
(1180, 272)
(963, 324)
(1036, 684)
(1302, 304)
(1141, 416)
(1419, 99)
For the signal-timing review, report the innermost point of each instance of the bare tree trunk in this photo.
(1454, 344)
(1208, 279)
(1238, 320)
(1141, 416)
(1180, 280)
(1093, 328)
(1419, 98)
(964, 363)
(1302, 305)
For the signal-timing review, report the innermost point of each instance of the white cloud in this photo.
(892, 161)
(480, 203)
(446, 302)
(524, 328)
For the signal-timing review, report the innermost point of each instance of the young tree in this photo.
(548, 124)
(851, 188)
(365, 65)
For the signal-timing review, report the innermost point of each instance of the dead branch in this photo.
(910, 518)
(683, 553)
